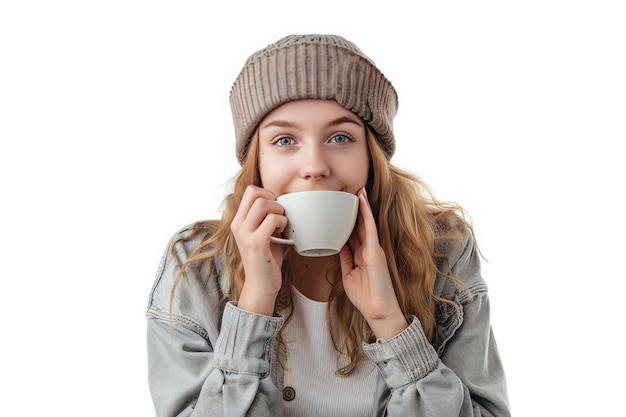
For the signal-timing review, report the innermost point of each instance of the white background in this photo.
(116, 131)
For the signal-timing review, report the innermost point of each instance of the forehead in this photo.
(309, 110)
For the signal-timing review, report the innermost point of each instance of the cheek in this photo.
(355, 172)
(364, 164)
(273, 173)
(363, 172)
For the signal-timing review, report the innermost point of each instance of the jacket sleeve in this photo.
(464, 377)
(194, 370)
(417, 382)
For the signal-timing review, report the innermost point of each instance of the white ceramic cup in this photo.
(320, 222)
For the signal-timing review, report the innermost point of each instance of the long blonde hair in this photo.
(411, 224)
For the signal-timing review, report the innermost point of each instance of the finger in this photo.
(367, 222)
(261, 208)
(271, 224)
(346, 260)
(250, 196)
(360, 230)
(354, 240)
(359, 234)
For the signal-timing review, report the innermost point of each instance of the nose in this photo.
(313, 163)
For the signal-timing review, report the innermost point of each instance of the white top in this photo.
(311, 367)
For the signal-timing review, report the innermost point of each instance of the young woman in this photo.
(396, 324)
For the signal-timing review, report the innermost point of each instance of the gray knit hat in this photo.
(298, 67)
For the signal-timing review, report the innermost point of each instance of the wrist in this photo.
(389, 327)
(257, 302)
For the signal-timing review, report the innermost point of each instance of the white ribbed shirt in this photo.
(311, 367)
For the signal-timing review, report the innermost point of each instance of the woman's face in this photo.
(312, 145)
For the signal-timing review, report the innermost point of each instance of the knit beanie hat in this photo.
(326, 67)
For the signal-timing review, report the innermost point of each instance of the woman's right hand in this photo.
(259, 216)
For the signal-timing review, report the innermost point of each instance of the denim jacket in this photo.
(207, 360)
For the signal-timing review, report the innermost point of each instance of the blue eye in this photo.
(341, 138)
(285, 141)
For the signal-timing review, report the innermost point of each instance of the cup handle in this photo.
(281, 240)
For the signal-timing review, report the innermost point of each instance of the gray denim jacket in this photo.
(206, 361)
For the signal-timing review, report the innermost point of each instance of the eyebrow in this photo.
(344, 119)
(335, 122)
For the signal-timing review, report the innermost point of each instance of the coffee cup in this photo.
(320, 222)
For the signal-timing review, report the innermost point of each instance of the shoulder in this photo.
(459, 285)
(187, 239)
(457, 255)
(200, 286)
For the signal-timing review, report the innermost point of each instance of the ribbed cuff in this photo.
(246, 341)
(404, 359)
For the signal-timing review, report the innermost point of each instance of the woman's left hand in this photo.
(366, 276)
